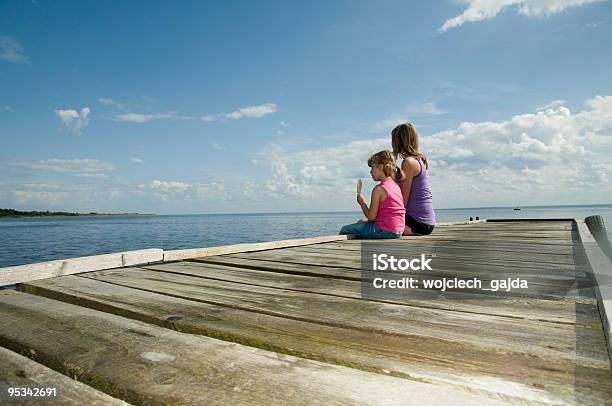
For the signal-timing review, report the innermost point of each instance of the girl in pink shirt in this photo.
(386, 212)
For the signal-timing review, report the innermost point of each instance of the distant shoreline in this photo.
(17, 213)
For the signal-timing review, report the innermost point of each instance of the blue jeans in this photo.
(368, 230)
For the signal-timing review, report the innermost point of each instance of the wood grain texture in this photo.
(147, 364)
(24, 273)
(541, 338)
(19, 371)
(533, 309)
(518, 378)
(174, 255)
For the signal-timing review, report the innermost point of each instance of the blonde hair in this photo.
(405, 142)
(387, 160)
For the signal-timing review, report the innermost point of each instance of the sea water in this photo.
(38, 239)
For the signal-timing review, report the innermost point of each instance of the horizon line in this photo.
(355, 211)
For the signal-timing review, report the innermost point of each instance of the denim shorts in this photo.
(368, 230)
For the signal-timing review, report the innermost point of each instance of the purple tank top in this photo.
(420, 204)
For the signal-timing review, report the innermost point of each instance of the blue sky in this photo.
(211, 107)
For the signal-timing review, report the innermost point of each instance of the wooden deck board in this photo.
(527, 249)
(541, 338)
(514, 377)
(305, 301)
(161, 366)
(19, 371)
(353, 262)
(549, 275)
(535, 309)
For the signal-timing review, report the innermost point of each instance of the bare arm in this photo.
(411, 168)
(378, 195)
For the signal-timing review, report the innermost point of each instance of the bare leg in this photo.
(408, 231)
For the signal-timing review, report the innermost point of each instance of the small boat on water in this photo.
(517, 208)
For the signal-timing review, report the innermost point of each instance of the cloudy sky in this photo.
(274, 106)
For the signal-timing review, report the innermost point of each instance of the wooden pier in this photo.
(285, 323)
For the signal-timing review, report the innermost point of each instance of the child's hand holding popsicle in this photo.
(360, 198)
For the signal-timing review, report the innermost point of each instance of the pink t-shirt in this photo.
(391, 211)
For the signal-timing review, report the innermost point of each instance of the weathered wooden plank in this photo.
(472, 239)
(516, 377)
(503, 247)
(355, 274)
(282, 267)
(545, 339)
(460, 223)
(562, 235)
(175, 255)
(563, 225)
(24, 273)
(146, 364)
(532, 309)
(583, 292)
(459, 254)
(507, 226)
(441, 256)
(344, 261)
(503, 229)
(549, 282)
(19, 371)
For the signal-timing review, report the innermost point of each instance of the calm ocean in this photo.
(28, 240)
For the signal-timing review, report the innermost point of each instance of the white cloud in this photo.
(481, 10)
(551, 154)
(136, 160)
(111, 102)
(209, 118)
(214, 145)
(317, 172)
(134, 117)
(176, 191)
(552, 105)
(125, 111)
(79, 167)
(169, 186)
(426, 109)
(11, 50)
(244, 112)
(60, 197)
(29, 197)
(213, 191)
(7, 108)
(74, 121)
(40, 186)
(388, 123)
(592, 25)
(252, 111)
(143, 118)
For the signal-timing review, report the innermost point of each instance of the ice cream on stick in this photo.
(359, 186)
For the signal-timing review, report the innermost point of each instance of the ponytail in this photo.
(387, 160)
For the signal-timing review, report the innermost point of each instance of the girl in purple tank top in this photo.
(420, 216)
